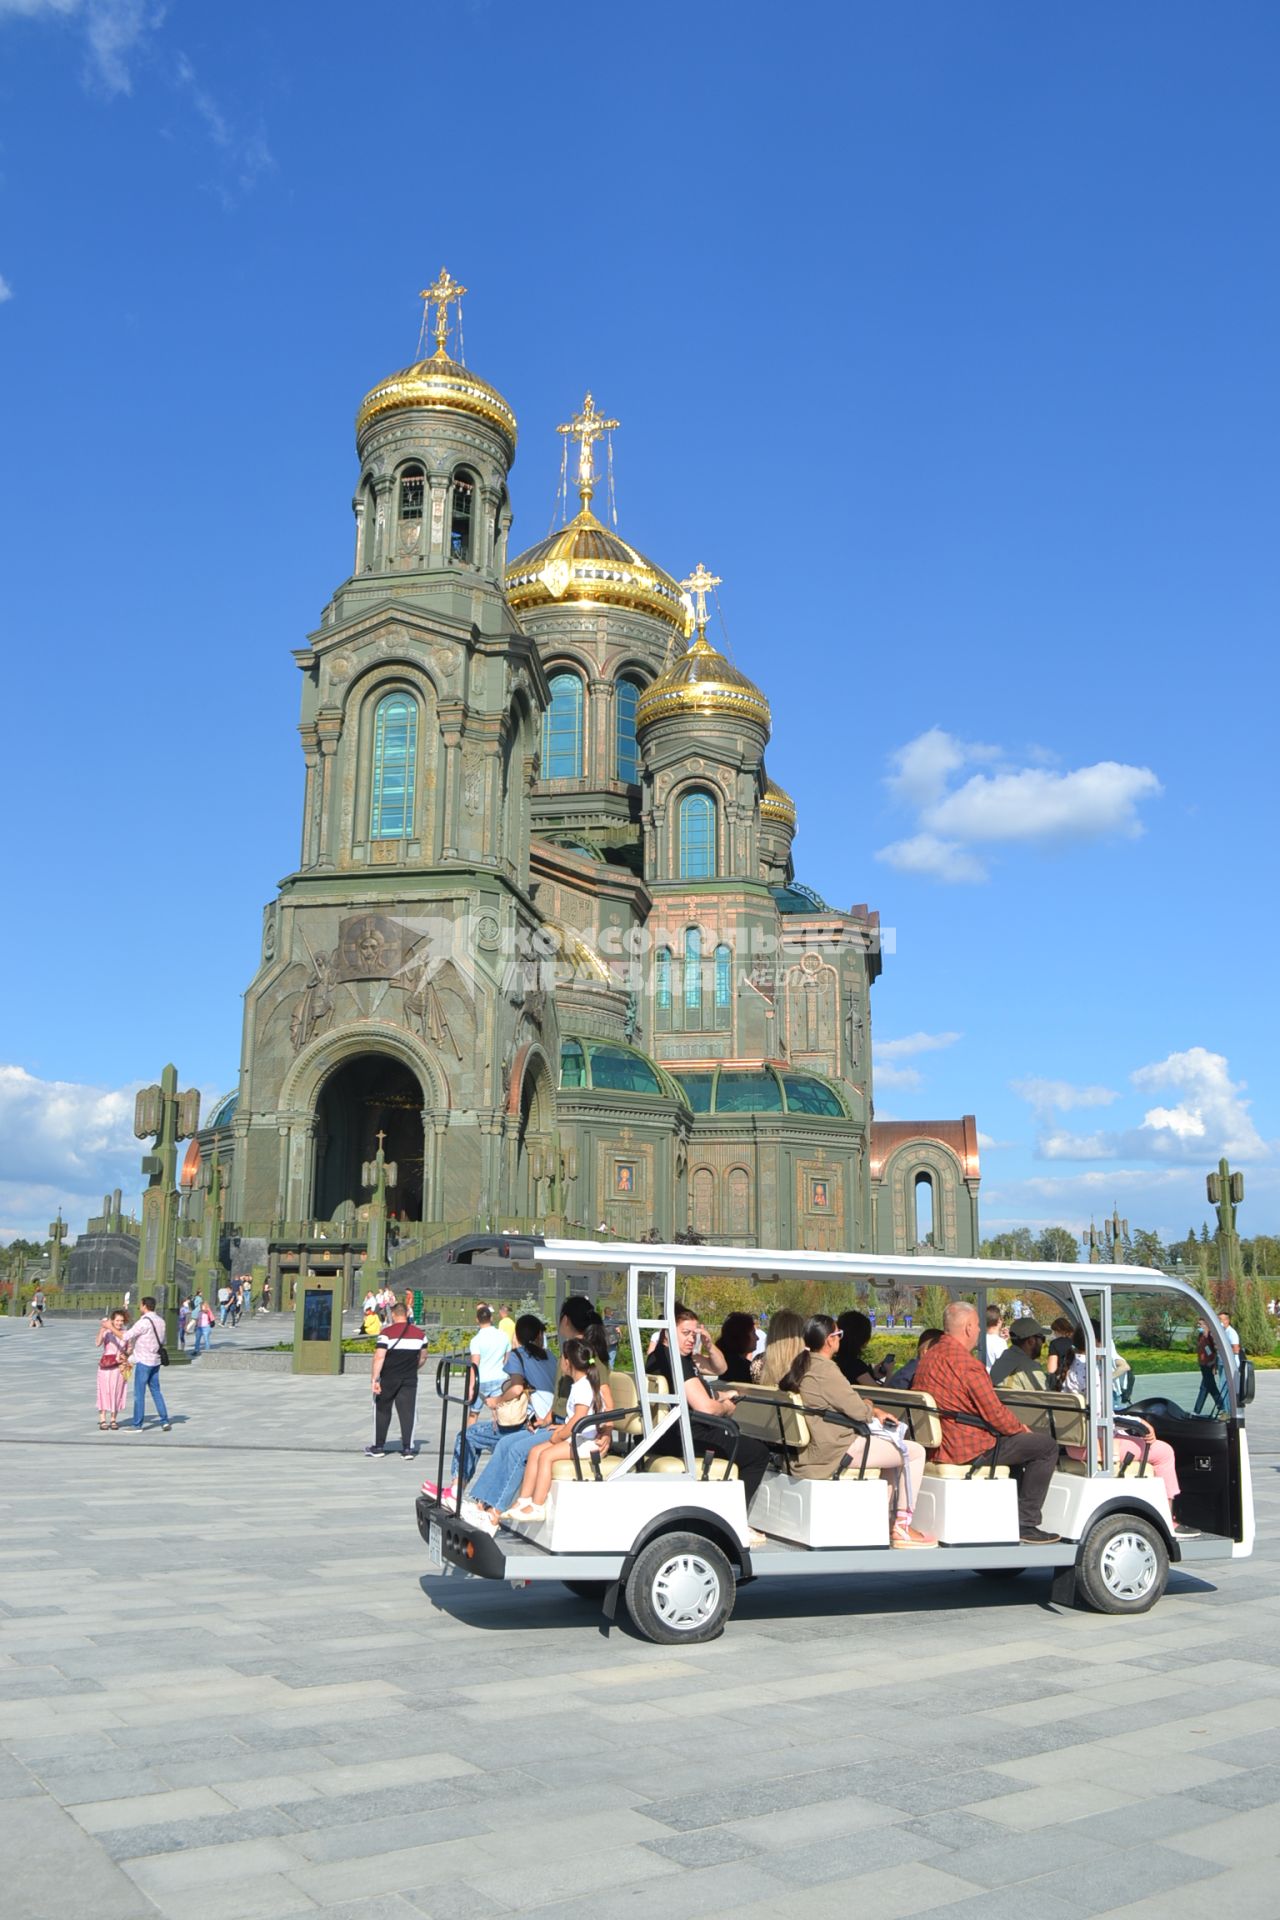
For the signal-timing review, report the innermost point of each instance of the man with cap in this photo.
(1019, 1364)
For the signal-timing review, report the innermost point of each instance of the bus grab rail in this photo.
(444, 1369)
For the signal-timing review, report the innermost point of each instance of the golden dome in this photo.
(778, 805)
(586, 562)
(702, 681)
(443, 383)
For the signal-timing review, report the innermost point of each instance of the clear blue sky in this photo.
(945, 333)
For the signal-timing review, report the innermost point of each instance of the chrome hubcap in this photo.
(1129, 1566)
(686, 1592)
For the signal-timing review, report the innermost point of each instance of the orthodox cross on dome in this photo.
(699, 584)
(445, 291)
(586, 428)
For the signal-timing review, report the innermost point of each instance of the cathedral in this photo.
(545, 947)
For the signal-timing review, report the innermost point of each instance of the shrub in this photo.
(1154, 1328)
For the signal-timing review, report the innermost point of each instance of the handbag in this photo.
(513, 1412)
(161, 1349)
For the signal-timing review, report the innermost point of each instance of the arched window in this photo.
(737, 1211)
(573, 1064)
(368, 524)
(461, 511)
(692, 975)
(412, 483)
(626, 753)
(395, 751)
(697, 837)
(662, 986)
(562, 729)
(922, 1188)
(723, 985)
(703, 1201)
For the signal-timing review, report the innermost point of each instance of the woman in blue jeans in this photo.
(528, 1367)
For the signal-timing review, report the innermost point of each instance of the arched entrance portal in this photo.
(365, 1096)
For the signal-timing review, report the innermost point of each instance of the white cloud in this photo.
(61, 1144)
(1034, 804)
(991, 1145)
(1049, 1096)
(890, 1076)
(114, 31)
(1211, 1118)
(912, 1043)
(247, 154)
(936, 859)
(1011, 805)
(6, 291)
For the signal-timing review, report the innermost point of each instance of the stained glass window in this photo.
(395, 748)
(626, 695)
(562, 729)
(697, 837)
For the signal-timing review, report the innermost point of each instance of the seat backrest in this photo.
(623, 1388)
(918, 1410)
(1064, 1415)
(782, 1425)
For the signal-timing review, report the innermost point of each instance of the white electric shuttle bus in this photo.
(668, 1533)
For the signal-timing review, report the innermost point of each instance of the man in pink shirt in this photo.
(144, 1340)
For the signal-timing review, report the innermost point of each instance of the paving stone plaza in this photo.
(230, 1689)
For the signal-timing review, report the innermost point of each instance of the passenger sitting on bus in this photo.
(905, 1376)
(1134, 1436)
(784, 1341)
(751, 1456)
(958, 1383)
(1062, 1350)
(737, 1343)
(823, 1388)
(855, 1331)
(587, 1395)
(580, 1320)
(1019, 1364)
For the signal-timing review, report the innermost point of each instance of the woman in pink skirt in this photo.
(112, 1368)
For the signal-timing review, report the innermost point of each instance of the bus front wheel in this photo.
(680, 1590)
(1123, 1565)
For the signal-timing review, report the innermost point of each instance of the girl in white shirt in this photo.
(587, 1395)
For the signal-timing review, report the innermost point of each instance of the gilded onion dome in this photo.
(702, 681)
(778, 805)
(440, 381)
(586, 562)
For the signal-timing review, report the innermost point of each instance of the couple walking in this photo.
(135, 1352)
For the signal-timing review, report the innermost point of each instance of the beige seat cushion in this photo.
(778, 1426)
(1064, 1415)
(919, 1411)
(670, 1463)
(935, 1471)
(622, 1386)
(563, 1469)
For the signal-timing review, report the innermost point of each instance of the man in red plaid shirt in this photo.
(958, 1382)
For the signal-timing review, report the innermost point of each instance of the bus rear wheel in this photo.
(1123, 1565)
(680, 1589)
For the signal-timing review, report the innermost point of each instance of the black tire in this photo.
(1123, 1565)
(680, 1590)
(594, 1590)
(998, 1573)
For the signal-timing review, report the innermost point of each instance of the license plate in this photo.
(435, 1546)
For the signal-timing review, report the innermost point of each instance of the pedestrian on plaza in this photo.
(507, 1324)
(1207, 1357)
(1234, 1349)
(400, 1352)
(224, 1304)
(184, 1314)
(145, 1341)
(203, 1328)
(112, 1373)
(36, 1317)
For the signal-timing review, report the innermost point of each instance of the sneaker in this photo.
(1185, 1533)
(1037, 1537)
(166, 1426)
(443, 1494)
(408, 1453)
(478, 1516)
(374, 1453)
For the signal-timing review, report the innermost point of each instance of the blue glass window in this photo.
(562, 729)
(626, 695)
(573, 1065)
(811, 1096)
(724, 975)
(697, 837)
(698, 1088)
(395, 752)
(740, 1091)
(692, 970)
(663, 980)
(621, 1071)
